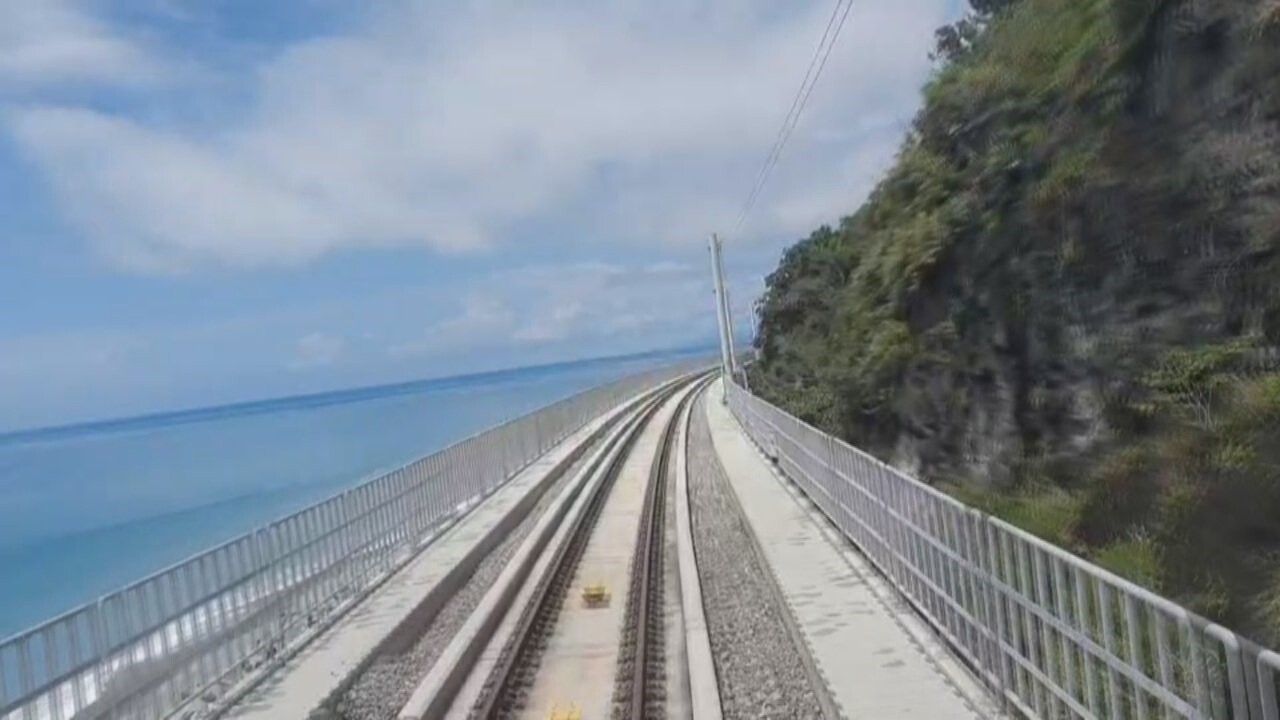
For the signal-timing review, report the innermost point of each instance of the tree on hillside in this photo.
(952, 41)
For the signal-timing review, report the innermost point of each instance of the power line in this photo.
(819, 61)
(774, 151)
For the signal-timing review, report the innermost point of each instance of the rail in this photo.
(510, 677)
(197, 628)
(1050, 634)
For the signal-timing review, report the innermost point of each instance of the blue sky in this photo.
(203, 202)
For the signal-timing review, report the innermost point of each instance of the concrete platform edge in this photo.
(704, 686)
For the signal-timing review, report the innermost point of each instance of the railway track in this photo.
(639, 682)
(595, 608)
(503, 697)
(592, 605)
(640, 506)
(608, 521)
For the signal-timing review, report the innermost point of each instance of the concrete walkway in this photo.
(310, 677)
(878, 659)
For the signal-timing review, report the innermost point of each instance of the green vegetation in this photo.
(1062, 301)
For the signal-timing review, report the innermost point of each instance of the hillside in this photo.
(1061, 302)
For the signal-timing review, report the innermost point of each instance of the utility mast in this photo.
(728, 362)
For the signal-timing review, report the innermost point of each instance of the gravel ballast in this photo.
(384, 688)
(762, 671)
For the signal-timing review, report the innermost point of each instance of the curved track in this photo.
(643, 693)
(623, 518)
(639, 681)
(525, 651)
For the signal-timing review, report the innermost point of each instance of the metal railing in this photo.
(191, 631)
(1050, 634)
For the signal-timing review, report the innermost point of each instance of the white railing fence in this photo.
(1052, 635)
(193, 630)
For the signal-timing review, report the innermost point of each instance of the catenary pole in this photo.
(718, 286)
(728, 313)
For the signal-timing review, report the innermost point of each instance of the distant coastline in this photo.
(312, 400)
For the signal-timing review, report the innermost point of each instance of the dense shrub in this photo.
(1062, 299)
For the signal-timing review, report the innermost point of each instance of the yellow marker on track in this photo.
(570, 713)
(596, 595)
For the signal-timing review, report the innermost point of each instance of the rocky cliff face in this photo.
(1068, 285)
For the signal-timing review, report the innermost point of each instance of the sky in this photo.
(206, 202)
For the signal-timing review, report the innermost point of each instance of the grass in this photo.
(1050, 513)
(1269, 604)
(1044, 511)
(1136, 559)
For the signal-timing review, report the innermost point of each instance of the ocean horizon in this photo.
(91, 506)
(312, 399)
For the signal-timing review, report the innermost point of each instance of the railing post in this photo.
(1238, 694)
(982, 575)
(257, 590)
(1268, 668)
(1007, 667)
(101, 654)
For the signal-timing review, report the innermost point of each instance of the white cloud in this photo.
(625, 122)
(599, 304)
(317, 350)
(43, 378)
(73, 356)
(623, 131)
(482, 319)
(504, 318)
(584, 308)
(555, 324)
(842, 184)
(60, 41)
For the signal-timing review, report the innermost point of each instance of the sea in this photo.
(86, 509)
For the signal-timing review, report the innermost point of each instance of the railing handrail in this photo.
(292, 566)
(966, 578)
(368, 479)
(1173, 609)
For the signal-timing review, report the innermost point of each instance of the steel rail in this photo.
(646, 581)
(538, 617)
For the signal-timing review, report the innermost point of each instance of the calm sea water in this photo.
(86, 509)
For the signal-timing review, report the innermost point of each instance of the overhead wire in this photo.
(776, 148)
(816, 65)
